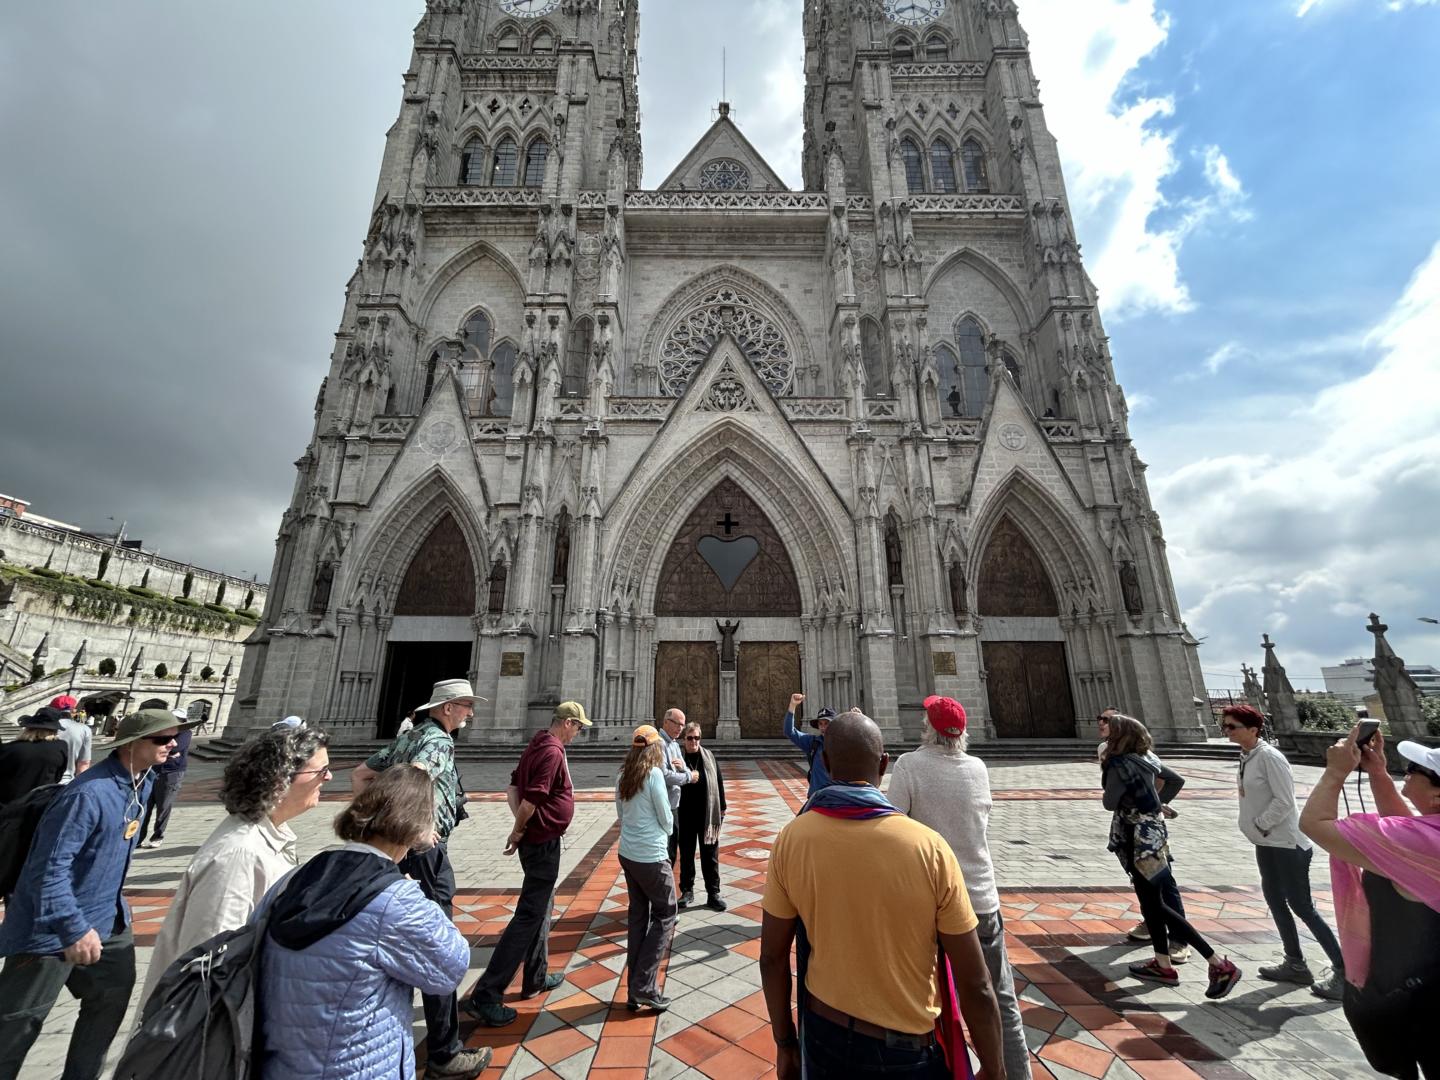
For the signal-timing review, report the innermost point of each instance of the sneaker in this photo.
(716, 904)
(148, 844)
(687, 898)
(1223, 977)
(489, 1013)
(1139, 932)
(1289, 970)
(1153, 972)
(1179, 954)
(1331, 988)
(466, 1064)
(657, 1002)
(552, 980)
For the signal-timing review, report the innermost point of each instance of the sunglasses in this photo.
(1411, 769)
(161, 740)
(1231, 727)
(692, 738)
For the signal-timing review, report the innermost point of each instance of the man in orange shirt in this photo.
(873, 897)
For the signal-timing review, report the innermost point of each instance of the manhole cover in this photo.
(754, 853)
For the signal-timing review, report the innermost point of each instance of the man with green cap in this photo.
(542, 799)
(67, 924)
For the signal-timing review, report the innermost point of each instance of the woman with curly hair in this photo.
(1139, 840)
(271, 779)
(646, 821)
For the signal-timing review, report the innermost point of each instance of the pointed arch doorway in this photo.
(727, 608)
(430, 637)
(1027, 675)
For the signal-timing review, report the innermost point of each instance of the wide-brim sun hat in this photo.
(147, 722)
(1427, 757)
(39, 722)
(447, 691)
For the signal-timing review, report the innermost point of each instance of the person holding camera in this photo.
(1270, 820)
(1385, 869)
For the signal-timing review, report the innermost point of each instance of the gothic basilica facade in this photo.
(706, 443)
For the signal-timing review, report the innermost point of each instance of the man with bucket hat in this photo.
(430, 745)
(542, 799)
(67, 924)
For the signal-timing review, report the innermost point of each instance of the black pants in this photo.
(830, 1050)
(1161, 918)
(433, 873)
(689, 831)
(29, 987)
(1396, 1030)
(526, 939)
(162, 800)
(1285, 881)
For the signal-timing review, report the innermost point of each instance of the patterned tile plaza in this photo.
(1063, 898)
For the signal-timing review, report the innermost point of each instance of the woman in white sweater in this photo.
(1270, 820)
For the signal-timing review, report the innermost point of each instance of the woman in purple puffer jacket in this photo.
(349, 942)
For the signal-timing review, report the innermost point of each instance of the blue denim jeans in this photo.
(832, 1052)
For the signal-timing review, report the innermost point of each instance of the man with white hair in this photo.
(942, 786)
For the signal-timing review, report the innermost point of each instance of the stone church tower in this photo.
(704, 444)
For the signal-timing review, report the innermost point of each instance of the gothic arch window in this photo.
(507, 163)
(942, 167)
(724, 174)
(952, 393)
(508, 41)
(499, 580)
(502, 379)
(543, 41)
(726, 310)
(974, 374)
(903, 49)
(390, 401)
(536, 155)
(914, 168)
(472, 162)
(894, 560)
(431, 367)
(937, 49)
(872, 354)
(475, 337)
(577, 358)
(1012, 365)
(972, 161)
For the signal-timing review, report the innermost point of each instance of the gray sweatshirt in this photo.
(1268, 816)
(951, 794)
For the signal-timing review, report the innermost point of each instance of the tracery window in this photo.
(730, 311)
(936, 48)
(543, 42)
(472, 163)
(509, 41)
(577, 358)
(475, 337)
(972, 159)
(942, 167)
(430, 368)
(724, 174)
(872, 356)
(535, 157)
(974, 377)
(903, 50)
(502, 379)
(952, 394)
(914, 168)
(507, 163)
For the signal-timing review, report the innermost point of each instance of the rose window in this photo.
(724, 174)
(725, 311)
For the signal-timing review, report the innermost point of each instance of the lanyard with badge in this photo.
(132, 825)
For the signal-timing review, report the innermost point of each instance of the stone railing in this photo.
(1060, 429)
(807, 202)
(640, 408)
(511, 63)
(727, 200)
(967, 204)
(882, 410)
(964, 428)
(391, 427)
(942, 69)
(814, 408)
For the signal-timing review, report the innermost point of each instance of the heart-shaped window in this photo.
(728, 558)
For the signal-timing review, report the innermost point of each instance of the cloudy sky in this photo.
(184, 188)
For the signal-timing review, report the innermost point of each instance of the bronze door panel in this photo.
(687, 677)
(769, 672)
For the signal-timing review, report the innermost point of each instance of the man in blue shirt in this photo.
(67, 924)
(812, 746)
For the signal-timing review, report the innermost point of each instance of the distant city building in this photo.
(1354, 680)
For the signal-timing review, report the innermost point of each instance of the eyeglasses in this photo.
(162, 740)
(1412, 769)
(1231, 727)
(692, 738)
(313, 772)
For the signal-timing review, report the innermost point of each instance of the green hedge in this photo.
(105, 603)
(141, 590)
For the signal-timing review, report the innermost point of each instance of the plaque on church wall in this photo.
(512, 663)
(944, 663)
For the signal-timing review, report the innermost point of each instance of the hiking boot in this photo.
(1331, 988)
(1179, 954)
(687, 898)
(657, 1002)
(1223, 977)
(1289, 970)
(1151, 971)
(716, 904)
(463, 1066)
(552, 980)
(489, 1013)
(1139, 932)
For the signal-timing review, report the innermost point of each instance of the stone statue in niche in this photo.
(727, 644)
(1130, 588)
(320, 591)
(957, 590)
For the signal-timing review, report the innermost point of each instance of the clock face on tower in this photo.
(531, 9)
(914, 12)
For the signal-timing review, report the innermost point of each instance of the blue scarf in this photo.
(855, 802)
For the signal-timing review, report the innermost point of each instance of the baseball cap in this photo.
(572, 710)
(1427, 757)
(644, 735)
(946, 715)
(64, 701)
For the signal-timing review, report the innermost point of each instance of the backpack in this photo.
(19, 820)
(202, 1021)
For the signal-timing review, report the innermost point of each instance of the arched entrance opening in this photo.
(1023, 646)
(727, 608)
(430, 638)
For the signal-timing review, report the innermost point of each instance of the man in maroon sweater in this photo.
(543, 802)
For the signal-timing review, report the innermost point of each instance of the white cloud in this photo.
(1222, 356)
(1306, 6)
(1117, 152)
(1304, 513)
